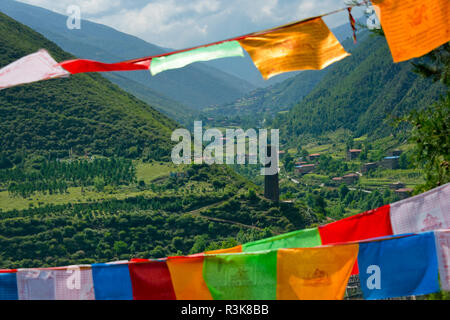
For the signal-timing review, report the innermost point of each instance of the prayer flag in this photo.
(304, 45)
(371, 224)
(151, 281)
(187, 278)
(35, 284)
(112, 281)
(425, 212)
(298, 239)
(241, 276)
(443, 253)
(414, 27)
(31, 68)
(83, 65)
(8, 286)
(315, 273)
(207, 53)
(399, 267)
(74, 283)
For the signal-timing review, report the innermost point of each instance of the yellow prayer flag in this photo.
(187, 278)
(304, 45)
(320, 273)
(413, 28)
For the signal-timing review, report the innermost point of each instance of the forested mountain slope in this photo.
(85, 113)
(360, 93)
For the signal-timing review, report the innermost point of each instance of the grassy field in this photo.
(73, 196)
(148, 172)
(409, 177)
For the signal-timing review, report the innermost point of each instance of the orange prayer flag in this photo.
(305, 45)
(187, 278)
(413, 28)
(237, 249)
(320, 273)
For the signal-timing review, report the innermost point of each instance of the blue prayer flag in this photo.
(112, 282)
(399, 267)
(8, 286)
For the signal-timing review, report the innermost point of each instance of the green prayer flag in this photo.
(242, 276)
(179, 60)
(306, 238)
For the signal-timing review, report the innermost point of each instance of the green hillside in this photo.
(269, 101)
(360, 93)
(85, 113)
(199, 208)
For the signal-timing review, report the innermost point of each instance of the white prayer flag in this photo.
(34, 67)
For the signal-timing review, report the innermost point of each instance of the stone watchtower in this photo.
(271, 187)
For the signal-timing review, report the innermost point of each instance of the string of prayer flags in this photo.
(192, 287)
(298, 239)
(112, 281)
(8, 285)
(398, 267)
(182, 59)
(304, 45)
(413, 28)
(31, 68)
(425, 212)
(151, 281)
(394, 266)
(443, 253)
(242, 276)
(371, 224)
(315, 273)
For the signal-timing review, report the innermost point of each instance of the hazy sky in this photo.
(185, 23)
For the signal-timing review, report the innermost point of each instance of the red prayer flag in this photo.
(83, 65)
(8, 270)
(151, 281)
(352, 23)
(371, 224)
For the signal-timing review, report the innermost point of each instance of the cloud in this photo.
(88, 7)
(186, 23)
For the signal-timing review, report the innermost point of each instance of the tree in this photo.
(288, 162)
(431, 135)
(343, 190)
(435, 65)
(5, 163)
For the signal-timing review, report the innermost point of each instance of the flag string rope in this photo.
(256, 33)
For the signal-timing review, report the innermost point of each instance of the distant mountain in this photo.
(84, 113)
(281, 96)
(360, 93)
(195, 86)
